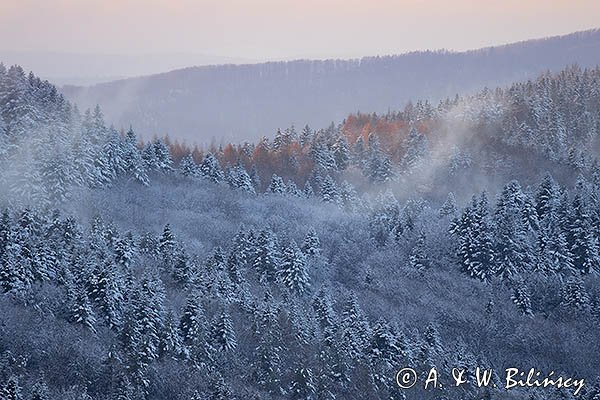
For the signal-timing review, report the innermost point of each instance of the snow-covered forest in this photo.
(313, 264)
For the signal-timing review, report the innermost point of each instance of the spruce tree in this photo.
(11, 390)
(341, 154)
(267, 364)
(224, 334)
(235, 262)
(377, 166)
(193, 325)
(329, 191)
(40, 390)
(522, 298)
(545, 196)
(143, 325)
(475, 244)
(417, 149)
(324, 311)
(311, 246)
(385, 221)
(383, 347)
(171, 343)
(293, 271)
(167, 246)
(449, 208)
(105, 288)
(582, 242)
(553, 252)
(349, 196)
(574, 294)
(255, 178)
(182, 269)
(219, 389)
(303, 385)
(134, 162)
(15, 272)
(308, 190)
(323, 157)
(418, 256)
(163, 159)
(292, 189)
(211, 169)
(81, 310)
(277, 186)
(355, 329)
(188, 167)
(306, 135)
(238, 178)
(513, 251)
(266, 260)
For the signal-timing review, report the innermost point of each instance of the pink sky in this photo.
(279, 29)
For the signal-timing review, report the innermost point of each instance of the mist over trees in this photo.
(311, 265)
(244, 102)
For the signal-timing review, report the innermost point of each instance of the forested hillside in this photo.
(311, 266)
(244, 102)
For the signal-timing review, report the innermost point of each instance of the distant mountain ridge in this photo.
(82, 69)
(244, 102)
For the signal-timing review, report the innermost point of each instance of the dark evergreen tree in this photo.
(356, 331)
(188, 167)
(308, 190)
(292, 189)
(417, 149)
(211, 169)
(522, 298)
(385, 222)
(267, 365)
(513, 252)
(11, 390)
(82, 311)
(449, 208)
(133, 162)
(418, 256)
(266, 260)
(349, 197)
(171, 344)
(219, 389)
(546, 196)
(40, 391)
(377, 166)
(359, 152)
(303, 386)
(341, 153)
(255, 178)
(238, 178)
(167, 247)
(293, 271)
(224, 334)
(553, 252)
(475, 246)
(574, 294)
(311, 245)
(582, 242)
(194, 330)
(105, 287)
(329, 191)
(323, 157)
(277, 186)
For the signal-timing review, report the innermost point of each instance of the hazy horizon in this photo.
(85, 69)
